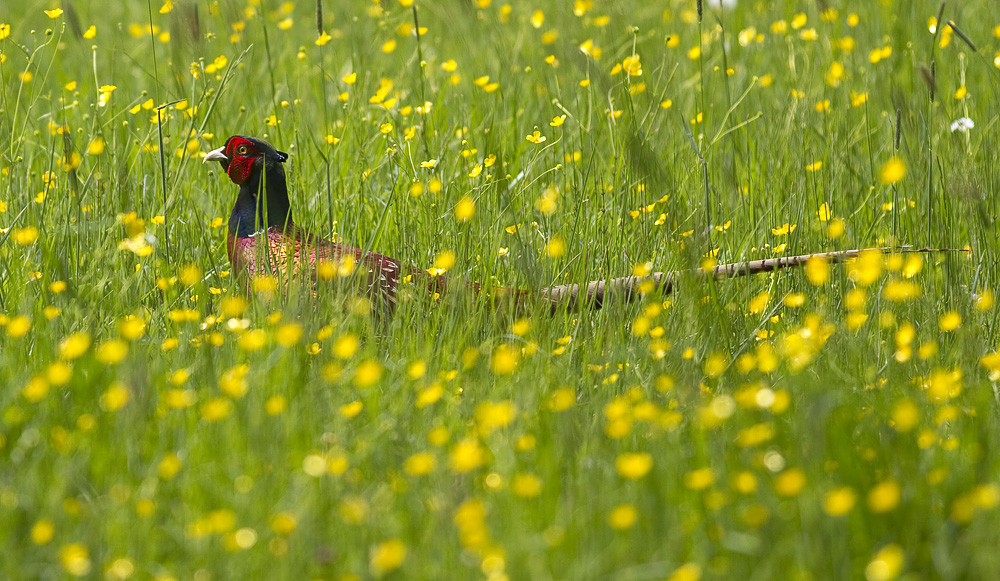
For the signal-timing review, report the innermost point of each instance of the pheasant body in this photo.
(291, 251)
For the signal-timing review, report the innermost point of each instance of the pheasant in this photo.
(264, 240)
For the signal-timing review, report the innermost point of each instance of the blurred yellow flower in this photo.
(288, 335)
(886, 564)
(699, 479)
(505, 359)
(131, 327)
(817, 270)
(892, 171)
(420, 464)
(555, 248)
(115, 397)
(368, 373)
(314, 465)
(984, 300)
(233, 381)
(252, 340)
(839, 501)
(18, 326)
(346, 346)
(429, 395)
(352, 409)
(467, 455)
(25, 236)
(900, 290)
(169, 466)
(284, 523)
(548, 202)
(633, 465)
(562, 399)
(491, 416)
(526, 485)
(74, 557)
(216, 409)
(386, 557)
(537, 19)
(623, 517)
(884, 496)
(96, 146)
(715, 364)
(867, 268)
(275, 405)
(949, 321)
(443, 261)
(465, 209)
(189, 274)
(73, 346)
(179, 398)
(42, 532)
(745, 482)
(36, 389)
(686, 572)
(759, 303)
(790, 482)
(112, 351)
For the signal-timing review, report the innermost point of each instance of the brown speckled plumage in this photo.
(294, 251)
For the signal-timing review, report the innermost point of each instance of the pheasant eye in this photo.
(242, 150)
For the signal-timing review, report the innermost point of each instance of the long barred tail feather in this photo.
(594, 293)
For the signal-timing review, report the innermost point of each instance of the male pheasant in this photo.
(264, 240)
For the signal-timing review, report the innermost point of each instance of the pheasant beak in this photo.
(216, 155)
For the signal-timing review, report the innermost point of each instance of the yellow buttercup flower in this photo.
(839, 501)
(623, 517)
(892, 171)
(633, 465)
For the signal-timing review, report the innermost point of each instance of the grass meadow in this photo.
(831, 422)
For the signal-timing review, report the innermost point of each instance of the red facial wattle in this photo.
(239, 169)
(240, 164)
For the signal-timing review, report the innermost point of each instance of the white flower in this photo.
(963, 124)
